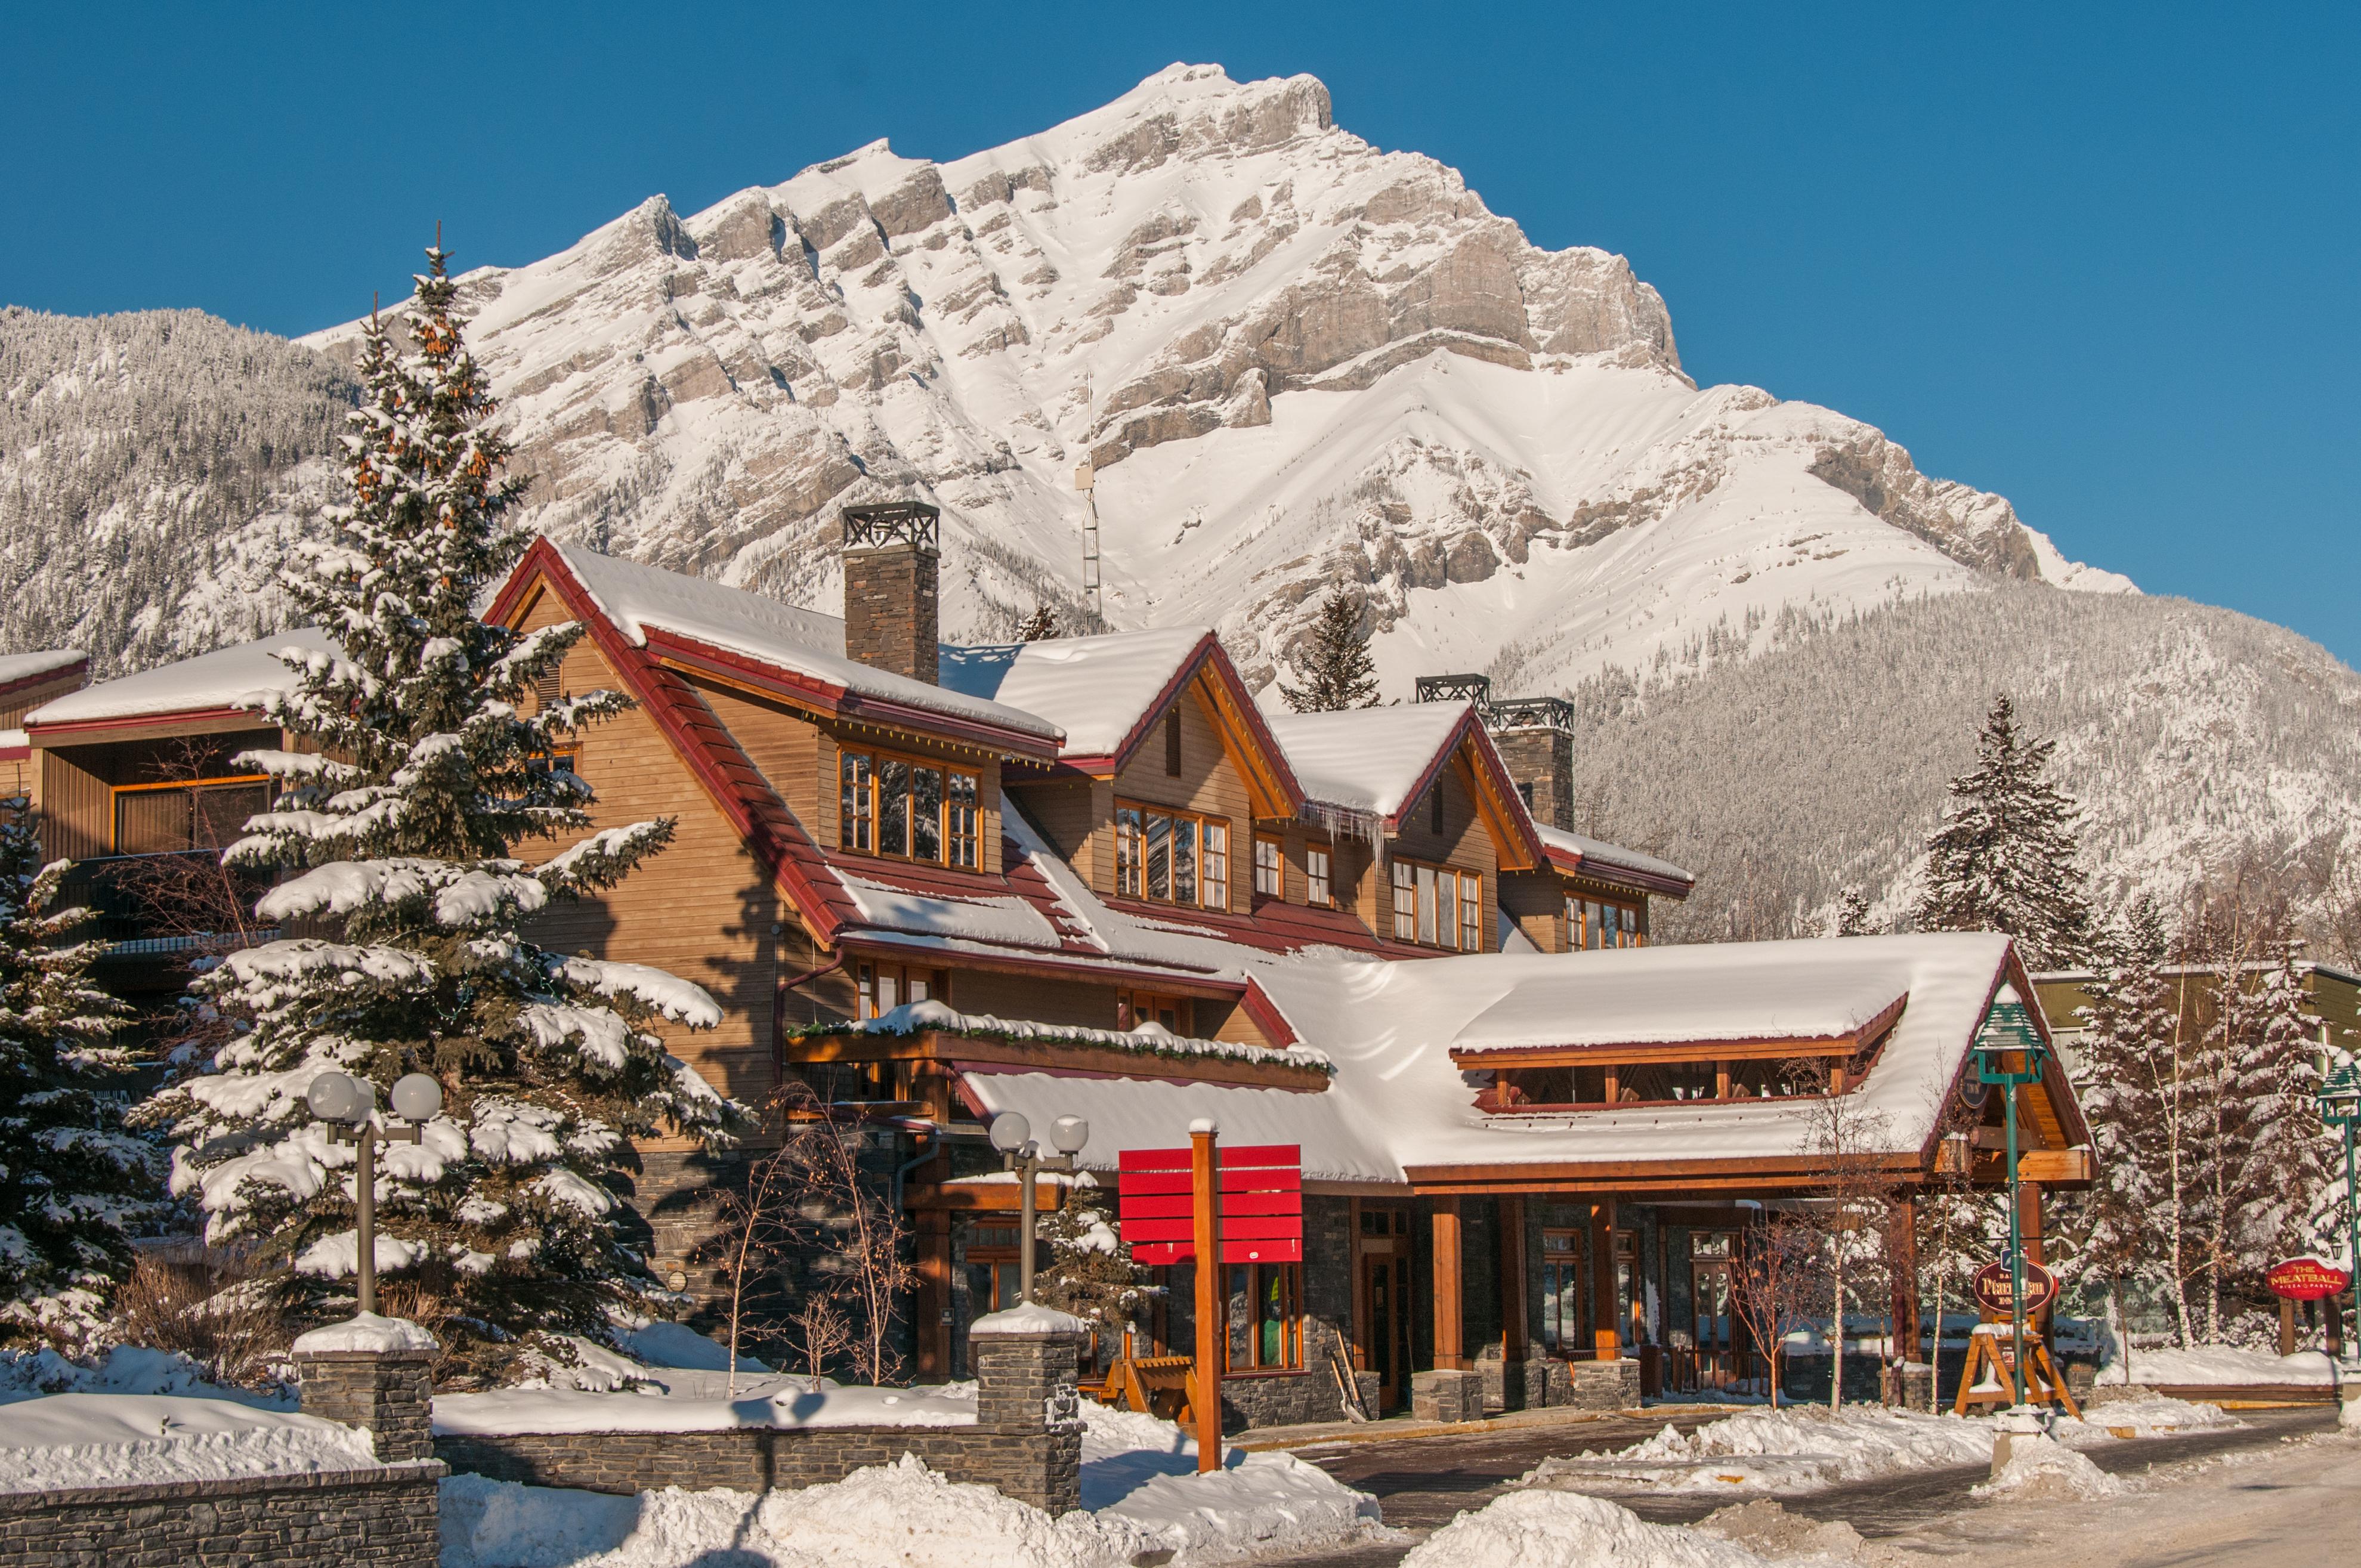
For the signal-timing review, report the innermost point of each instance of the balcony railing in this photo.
(180, 902)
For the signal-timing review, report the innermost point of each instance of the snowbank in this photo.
(2217, 1363)
(762, 1401)
(1802, 1448)
(1566, 1530)
(100, 1440)
(127, 1369)
(895, 1516)
(2041, 1470)
(1143, 1470)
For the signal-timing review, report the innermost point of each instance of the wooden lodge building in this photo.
(1091, 876)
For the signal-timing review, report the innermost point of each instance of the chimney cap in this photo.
(1476, 689)
(893, 523)
(1530, 713)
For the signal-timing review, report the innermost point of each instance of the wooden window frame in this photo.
(1566, 1249)
(871, 976)
(861, 809)
(1419, 919)
(1586, 927)
(1270, 856)
(1134, 1007)
(1134, 845)
(1288, 1322)
(1320, 887)
(115, 794)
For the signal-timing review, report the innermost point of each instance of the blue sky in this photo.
(2101, 260)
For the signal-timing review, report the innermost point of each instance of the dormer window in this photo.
(907, 808)
(1437, 906)
(1171, 857)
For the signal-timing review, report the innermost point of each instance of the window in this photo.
(1269, 869)
(911, 809)
(1564, 1311)
(1316, 889)
(1595, 924)
(153, 819)
(1265, 1323)
(1172, 741)
(1173, 857)
(1438, 907)
(884, 987)
(1134, 1008)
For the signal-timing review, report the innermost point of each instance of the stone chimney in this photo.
(1534, 736)
(891, 565)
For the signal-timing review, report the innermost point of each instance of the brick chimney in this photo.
(891, 565)
(1534, 736)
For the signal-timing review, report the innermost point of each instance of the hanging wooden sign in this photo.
(2306, 1279)
(1993, 1286)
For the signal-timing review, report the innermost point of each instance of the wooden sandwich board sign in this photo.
(1990, 1376)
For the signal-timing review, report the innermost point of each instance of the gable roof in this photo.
(732, 633)
(1380, 761)
(1105, 692)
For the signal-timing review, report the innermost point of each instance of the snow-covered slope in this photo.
(1294, 359)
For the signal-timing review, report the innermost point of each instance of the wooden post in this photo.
(2286, 1326)
(2029, 1219)
(1614, 1082)
(1607, 1333)
(1901, 1248)
(1450, 1349)
(1512, 1280)
(1722, 1080)
(934, 1335)
(1204, 1177)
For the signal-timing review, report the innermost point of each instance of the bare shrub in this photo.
(226, 1321)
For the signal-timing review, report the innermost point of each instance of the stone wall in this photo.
(361, 1518)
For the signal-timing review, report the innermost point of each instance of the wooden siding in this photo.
(1209, 783)
(76, 806)
(1537, 904)
(701, 908)
(18, 703)
(1061, 808)
(1032, 997)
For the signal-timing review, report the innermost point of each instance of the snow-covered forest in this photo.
(154, 466)
(2193, 736)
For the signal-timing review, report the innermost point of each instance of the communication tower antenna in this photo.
(1086, 481)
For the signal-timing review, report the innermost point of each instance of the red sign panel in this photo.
(1993, 1286)
(1261, 1203)
(2306, 1279)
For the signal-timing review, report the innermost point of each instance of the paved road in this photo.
(1422, 1484)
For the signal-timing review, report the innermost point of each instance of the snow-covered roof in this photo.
(1397, 1101)
(1368, 759)
(1095, 688)
(637, 598)
(236, 676)
(14, 667)
(1599, 852)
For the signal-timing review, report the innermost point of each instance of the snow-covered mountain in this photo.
(1293, 359)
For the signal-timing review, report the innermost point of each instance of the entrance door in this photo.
(1385, 1287)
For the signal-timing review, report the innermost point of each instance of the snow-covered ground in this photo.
(1566, 1530)
(1141, 1493)
(2216, 1363)
(1804, 1447)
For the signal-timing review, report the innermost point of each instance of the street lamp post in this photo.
(2008, 1031)
(348, 1105)
(2340, 1107)
(1012, 1135)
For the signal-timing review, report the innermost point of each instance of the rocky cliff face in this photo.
(1293, 360)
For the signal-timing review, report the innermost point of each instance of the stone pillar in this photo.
(371, 1372)
(1026, 1364)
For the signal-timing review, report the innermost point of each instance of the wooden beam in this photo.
(1450, 1344)
(981, 1197)
(1605, 1330)
(1512, 1279)
(2054, 1164)
(1205, 1230)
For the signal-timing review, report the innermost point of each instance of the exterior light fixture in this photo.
(1012, 1135)
(348, 1104)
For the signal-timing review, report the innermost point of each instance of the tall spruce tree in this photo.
(73, 1184)
(1334, 671)
(414, 775)
(2005, 858)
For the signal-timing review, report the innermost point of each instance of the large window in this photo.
(911, 809)
(1172, 857)
(151, 819)
(1266, 1319)
(1594, 924)
(1436, 907)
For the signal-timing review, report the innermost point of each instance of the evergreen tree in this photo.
(1852, 913)
(1334, 672)
(1041, 626)
(72, 1182)
(2005, 858)
(413, 777)
(1090, 1272)
(2284, 1155)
